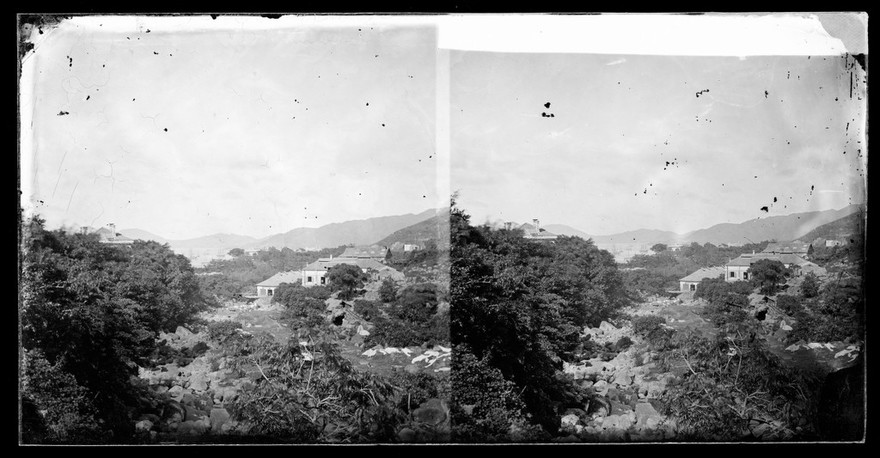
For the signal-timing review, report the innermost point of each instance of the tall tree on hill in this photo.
(767, 274)
(347, 279)
(93, 311)
(520, 304)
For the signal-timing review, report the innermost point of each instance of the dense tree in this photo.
(520, 304)
(659, 247)
(93, 311)
(388, 290)
(767, 274)
(810, 285)
(347, 279)
(236, 252)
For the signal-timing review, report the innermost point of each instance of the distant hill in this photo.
(640, 236)
(212, 242)
(435, 228)
(360, 232)
(139, 234)
(781, 228)
(562, 229)
(848, 227)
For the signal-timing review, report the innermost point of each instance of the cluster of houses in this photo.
(791, 254)
(369, 259)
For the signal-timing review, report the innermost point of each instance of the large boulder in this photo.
(433, 412)
(647, 416)
(143, 426)
(607, 327)
(601, 387)
(198, 382)
(173, 409)
(406, 435)
(623, 377)
(218, 418)
(183, 332)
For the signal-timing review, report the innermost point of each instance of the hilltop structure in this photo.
(108, 235)
(535, 232)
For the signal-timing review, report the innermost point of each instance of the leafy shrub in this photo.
(728, 311)
(810, 285)
(728, 382)
(653, 329)
(485, 406)
(313, 396)
(716, 289)
(791, 305)
(388, 290)
(347, 279)
(366, 309)
(767, 274)
(68, 413)
(417, 388)
(221, 331)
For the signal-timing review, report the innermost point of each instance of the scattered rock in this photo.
(143, 426)
(150, 417)
(599, 407)
(607, 327)
(569, 421)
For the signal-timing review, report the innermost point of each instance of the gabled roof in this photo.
(705, 272)
(786, 258)
(327, 263)
(373, 251)
(787, 247)
(283, 277)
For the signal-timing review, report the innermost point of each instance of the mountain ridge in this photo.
(781, 228)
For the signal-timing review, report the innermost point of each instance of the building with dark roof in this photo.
(365, 252)
(796, 247)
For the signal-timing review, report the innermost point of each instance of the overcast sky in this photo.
(658, 142)
(188, 127)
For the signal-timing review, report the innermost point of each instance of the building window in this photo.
(308, 279)
(745, 275)
(693, 287)
(270, 291)
(323, 280)
(733, 275)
